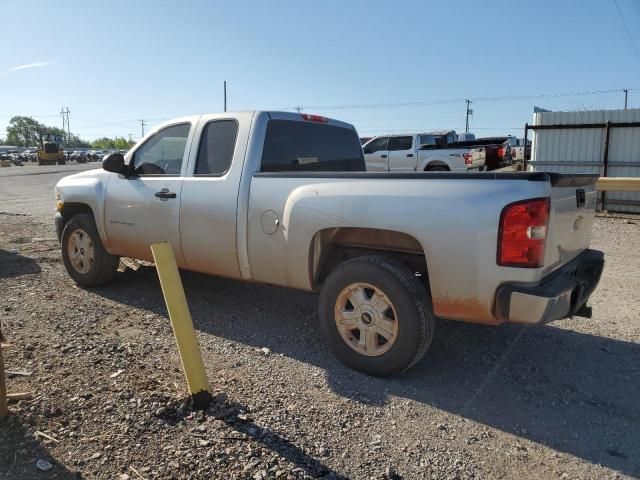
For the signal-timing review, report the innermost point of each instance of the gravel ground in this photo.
(561, 401)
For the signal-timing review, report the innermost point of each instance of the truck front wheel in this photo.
(376, 315)
(84, 256)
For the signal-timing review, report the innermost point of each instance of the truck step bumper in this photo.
(564, 293)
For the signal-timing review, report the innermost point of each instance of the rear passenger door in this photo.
(209, 198)
(401, 154)
(376, 155)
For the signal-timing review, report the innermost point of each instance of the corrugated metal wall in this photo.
(581, 150)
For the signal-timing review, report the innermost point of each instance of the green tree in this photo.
(24, 131)
(103, 143)
(75, 142)
(117, 143)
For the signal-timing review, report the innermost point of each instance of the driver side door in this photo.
(145, 207)
(376, 155)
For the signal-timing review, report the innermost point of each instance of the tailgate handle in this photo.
(581, 197)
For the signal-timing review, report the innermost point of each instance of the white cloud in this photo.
(25, 66)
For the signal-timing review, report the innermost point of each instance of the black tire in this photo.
(410, 299)
(437, 168)
(104, 266)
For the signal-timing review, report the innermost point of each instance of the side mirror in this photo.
(114, 162)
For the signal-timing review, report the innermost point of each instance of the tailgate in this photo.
(573, 206)
(478, 156)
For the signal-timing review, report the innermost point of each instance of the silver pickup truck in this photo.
(422, 152)
(283, 199)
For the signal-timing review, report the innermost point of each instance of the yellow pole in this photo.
(4, 410)
(182, 324)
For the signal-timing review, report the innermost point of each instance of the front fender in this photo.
(86, 188)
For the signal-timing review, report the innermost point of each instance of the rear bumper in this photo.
(562, 294)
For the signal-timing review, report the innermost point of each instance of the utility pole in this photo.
(142, 124)
(65, 122)
(626, 94)
(225, 95)
(469, 112)
(130, 138)
(299, 109)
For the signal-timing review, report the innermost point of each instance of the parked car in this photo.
(29, 155)
(421, 152)
(497, 150)
(283, 199)
(79, 156)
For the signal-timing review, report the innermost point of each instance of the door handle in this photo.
(383, 156)
(409, 154)
(165, 193)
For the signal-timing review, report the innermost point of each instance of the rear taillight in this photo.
(522, 233)
(500, 152)
(314, 118)
(468, 158)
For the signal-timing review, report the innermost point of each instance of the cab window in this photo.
(376, 145)
(216, 147)
(162, 154)
(400, 143)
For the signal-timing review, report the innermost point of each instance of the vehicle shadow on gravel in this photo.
(14, 265)
(573, 392)
(19, 452)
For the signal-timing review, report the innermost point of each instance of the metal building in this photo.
(602, 141)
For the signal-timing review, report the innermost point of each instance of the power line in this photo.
(456, 100)
(429, 129)
(65, 122)
(624, 22)
(142, 124)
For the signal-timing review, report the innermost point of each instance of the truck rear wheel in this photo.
(376, 315)
(84, 256)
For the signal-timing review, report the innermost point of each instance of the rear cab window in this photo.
(217, 144)
(400, 143)
(292, 146)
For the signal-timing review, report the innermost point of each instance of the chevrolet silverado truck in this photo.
(421, 152)
(284, 199)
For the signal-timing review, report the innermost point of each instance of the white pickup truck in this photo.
(421, 152)
(283, 199)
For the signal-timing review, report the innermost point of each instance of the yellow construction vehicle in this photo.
(49, 151)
